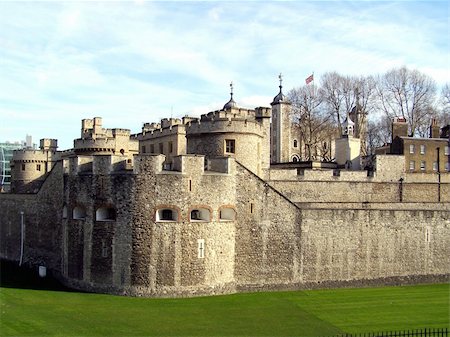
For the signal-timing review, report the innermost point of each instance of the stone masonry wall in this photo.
(42, 218)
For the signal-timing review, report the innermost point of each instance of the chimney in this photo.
(434, 129)
(399, 127)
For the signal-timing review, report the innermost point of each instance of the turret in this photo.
(280, 133)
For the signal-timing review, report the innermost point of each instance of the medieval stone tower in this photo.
(280, 133)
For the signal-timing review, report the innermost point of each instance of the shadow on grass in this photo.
(25, 277)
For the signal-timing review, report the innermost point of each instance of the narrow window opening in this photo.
(170, 147)
(190, 185)
(161, 148)
(23, 167)
(295, 143)
(104, 248)
(427, 235)
(64, 212)
(152, 148)
(251, 207)
(200, 248)
(38, 167)
(422, 149)
(143, 148)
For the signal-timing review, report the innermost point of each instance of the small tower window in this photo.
(295, 143)
(200, 214)
(170, 147)
(152, 148)
(412, 148)
(166, 214)
(230, 146)
(38, 167)
(23, 167)
(161, 148)
(227, 214)
(105, 214)
(79, 213)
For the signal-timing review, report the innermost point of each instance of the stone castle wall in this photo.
(42, 223)
(285, 234)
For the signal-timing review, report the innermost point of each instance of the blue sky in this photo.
(138, 61)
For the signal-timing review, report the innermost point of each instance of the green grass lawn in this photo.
(26, 312)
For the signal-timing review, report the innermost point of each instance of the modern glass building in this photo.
(6, 153)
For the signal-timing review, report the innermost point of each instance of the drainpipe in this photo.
(439, 175)
(22, 235)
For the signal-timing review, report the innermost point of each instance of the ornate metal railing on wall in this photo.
(427, 332)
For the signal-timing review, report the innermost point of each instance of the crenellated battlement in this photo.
(26, 155)
(147, 164)
(228, 124)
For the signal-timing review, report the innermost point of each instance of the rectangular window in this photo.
(38, 167)
(447, 166)
(161, 148)
(412, 165)
(435, 166)
(411, 148)
(23, 167)
(446, 150)
(200, 248)
(422, 149)
(422, 165)
(230, 146)
(170, 147)
(152, 148)
(143, 148)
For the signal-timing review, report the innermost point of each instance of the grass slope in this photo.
(28, 312)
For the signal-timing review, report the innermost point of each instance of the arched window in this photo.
(64, 212)
(295, 143)
(295, 158)
(79, 213)
(227, 214)
(105, 214)
(166, 214)
(200, 214)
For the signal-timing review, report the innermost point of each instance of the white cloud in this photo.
(134, 61)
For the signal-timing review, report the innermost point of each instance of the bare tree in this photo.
(409, 94)
(352, 95)
(378, 133)
(444, 118)
(333, 95)
(314, 122)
